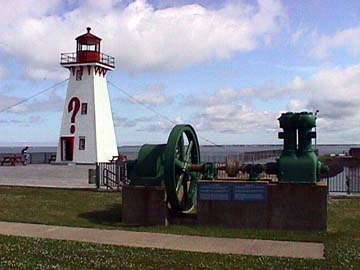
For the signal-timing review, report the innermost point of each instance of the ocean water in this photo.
(324, 149)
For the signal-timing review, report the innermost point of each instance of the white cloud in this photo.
(158, 124)
(154, 98)
(235, 118)
(3, 72)
(225, 110)
(139, 36)
(338, 84)
(296, 105)
(335, 93)
(47, 74)
(28, 122)
(36, 119)
(221, 96)
(10, 121)
(298, 35)
(123, 122)
(14, 10)
(51, 102)
(6, 101)
(348, 39)
(230, 95)
(151, 95)
(297, 83)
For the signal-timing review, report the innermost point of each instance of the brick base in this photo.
(288, 207)
(144, 205)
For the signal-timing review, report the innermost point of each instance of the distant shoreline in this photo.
(208, 149)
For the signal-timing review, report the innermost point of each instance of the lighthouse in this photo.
(87, 133)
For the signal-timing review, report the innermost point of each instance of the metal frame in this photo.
(71, 58)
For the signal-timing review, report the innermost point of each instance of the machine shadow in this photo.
(111, 216)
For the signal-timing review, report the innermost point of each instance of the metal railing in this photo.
(245, 176)
(114, 176)
(244, 157)
(110, 179)
(111, 175)
(71, 58)
(346, 182)
(107, 59)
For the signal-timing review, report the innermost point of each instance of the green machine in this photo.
(168, 165)
(176, 165)
(298, 163)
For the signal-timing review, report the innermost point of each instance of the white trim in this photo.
(86, 64)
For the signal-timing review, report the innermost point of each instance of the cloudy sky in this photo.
(229, 68)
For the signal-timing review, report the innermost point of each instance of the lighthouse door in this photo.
(67, 148)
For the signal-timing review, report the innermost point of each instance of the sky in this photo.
(229, 68)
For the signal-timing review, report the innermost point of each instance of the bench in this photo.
(12, 161)
(52, 158)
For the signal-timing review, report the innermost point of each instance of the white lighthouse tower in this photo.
(87, 132)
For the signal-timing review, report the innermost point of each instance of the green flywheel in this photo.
(181, 150)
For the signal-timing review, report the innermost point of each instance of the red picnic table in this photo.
(12, 160)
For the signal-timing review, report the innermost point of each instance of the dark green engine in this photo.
(298, 162)
(176, 165)
(167, 165)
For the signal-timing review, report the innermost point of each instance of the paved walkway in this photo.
(46, 175)
(168, 241)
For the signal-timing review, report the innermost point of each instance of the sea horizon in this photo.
(324, 149)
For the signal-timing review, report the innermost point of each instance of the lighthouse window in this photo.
(85, 47)
(84, 108)
(78, 75)
(81, 143)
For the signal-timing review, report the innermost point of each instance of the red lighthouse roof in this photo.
(88, 38)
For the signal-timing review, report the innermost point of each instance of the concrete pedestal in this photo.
(144, 205)
(263, 205)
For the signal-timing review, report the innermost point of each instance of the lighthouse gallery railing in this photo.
(71, 58)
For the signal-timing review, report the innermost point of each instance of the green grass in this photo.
(60, 207)
(103, 210)
(36, 254)
(95, 209)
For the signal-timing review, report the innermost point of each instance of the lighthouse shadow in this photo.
(111, 216)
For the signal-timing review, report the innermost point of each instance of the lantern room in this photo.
(88, 47)
(87, 52)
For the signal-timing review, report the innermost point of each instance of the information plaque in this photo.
(251, 193)
(214, 192)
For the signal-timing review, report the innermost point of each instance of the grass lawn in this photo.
(97, 209)
(103, 210)
(36, 254)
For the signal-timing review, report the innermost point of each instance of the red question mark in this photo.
(74, 105)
